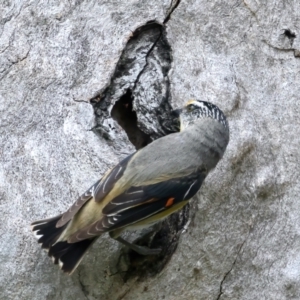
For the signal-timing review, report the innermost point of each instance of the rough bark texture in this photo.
(244, 56)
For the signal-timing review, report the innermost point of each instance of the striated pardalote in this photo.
(141, 190)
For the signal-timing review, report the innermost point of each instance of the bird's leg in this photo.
(142, 250)
(149, 234)
(157, 227)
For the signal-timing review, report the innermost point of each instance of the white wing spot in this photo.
(136, 192)
(98, 229)
(40, 223)
(38, 236)
(60, 263)
(118, 172)
(92, 234)
(92, 191)
(123, 202)
(105, 182)
(78, 237)
(187, 192)
(104, 226)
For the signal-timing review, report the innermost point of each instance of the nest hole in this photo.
(126, 117)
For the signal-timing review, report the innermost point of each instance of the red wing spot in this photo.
(170, 202)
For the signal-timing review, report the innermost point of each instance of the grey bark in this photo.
(244, 240)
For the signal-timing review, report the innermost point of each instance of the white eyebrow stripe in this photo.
(189, 189)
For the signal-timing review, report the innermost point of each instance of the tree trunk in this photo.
(85, 83)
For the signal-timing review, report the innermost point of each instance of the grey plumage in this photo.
(143, 189)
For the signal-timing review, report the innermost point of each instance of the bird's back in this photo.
(176, 155)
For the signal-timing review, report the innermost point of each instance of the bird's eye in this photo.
(191, 107)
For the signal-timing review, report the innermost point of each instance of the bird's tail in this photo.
(66, 255)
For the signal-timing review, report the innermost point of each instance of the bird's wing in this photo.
(141, 202)
(97, 191)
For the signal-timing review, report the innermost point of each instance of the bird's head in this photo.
(196, 109)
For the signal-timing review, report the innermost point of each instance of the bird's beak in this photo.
(176, 113)
(175, 116)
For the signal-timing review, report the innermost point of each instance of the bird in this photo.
(141, 190)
